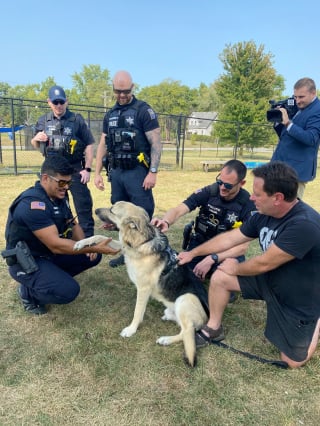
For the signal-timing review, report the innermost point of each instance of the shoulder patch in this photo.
(151, 113)
(198, 191)
(37, 205)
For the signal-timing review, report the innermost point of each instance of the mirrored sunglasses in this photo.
(61, 182)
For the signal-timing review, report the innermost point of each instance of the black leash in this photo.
(279, 364)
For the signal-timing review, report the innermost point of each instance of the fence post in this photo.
(237, 141)
(181, 131)
(0, 150)
(13, 139)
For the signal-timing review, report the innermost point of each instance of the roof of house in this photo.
(203, 119)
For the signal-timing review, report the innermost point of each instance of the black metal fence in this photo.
(181, 149)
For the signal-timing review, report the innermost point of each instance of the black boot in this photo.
(30, 306)
(114, 263)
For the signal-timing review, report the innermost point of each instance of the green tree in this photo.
(4, 111)
(170, 97)
(25, 109)
(92, 86)
(207, 98)
(244, 90)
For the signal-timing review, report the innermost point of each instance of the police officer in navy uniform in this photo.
(222, 206)
(131, 143)
(65, 133)
(41, 219)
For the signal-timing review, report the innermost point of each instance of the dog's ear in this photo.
(136, 222)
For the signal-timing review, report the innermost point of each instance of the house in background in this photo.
(201, 123)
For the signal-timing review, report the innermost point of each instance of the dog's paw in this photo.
(169, 315)
(86, 242)
(164, 340)
(96, 239)
(128, 331)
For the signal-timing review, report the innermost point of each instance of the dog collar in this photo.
(172, 260)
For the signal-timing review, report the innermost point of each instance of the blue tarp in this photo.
(9, 129)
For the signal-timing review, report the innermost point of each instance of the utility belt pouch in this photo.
(21, 255)
(205, 227)
(125, 161)
(187, 235)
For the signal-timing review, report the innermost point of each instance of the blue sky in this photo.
(177, 39)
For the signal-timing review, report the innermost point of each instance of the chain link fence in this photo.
(183, 147)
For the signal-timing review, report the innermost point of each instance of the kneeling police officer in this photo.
(40, 235)
(222, 206)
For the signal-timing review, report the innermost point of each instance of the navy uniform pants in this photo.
(126, 185)
(83, 203)
(53, 282)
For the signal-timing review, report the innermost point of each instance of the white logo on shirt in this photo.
(266, 238)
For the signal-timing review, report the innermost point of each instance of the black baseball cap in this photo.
(56, 93)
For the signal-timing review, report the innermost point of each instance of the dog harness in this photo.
(172, 262)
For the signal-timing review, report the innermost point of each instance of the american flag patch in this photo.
(38, 205)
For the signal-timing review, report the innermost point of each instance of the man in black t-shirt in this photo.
(285, 275)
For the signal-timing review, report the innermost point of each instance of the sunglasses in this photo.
(124, 91)
(228, 186)
(61, 182)
(58, 102)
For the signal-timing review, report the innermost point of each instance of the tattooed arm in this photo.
(153, 137)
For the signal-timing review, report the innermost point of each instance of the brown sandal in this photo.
(203, 339)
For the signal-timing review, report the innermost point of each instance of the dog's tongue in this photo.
(108, 226)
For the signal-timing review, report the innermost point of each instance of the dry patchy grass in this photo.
(71, 367)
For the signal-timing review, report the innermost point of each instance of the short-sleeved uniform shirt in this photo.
(295, 284)
(145, 119)
(77, 129)
(37, 212)
(227, 212)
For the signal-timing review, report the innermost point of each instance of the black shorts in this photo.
(288, 331)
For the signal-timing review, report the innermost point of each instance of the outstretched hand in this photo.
(108, 246)
(160, 223)
(184, 257)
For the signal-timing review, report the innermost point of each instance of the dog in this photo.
(153, 267)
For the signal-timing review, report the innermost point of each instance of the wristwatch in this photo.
(88, 169)
(153, 170)
(215, 257)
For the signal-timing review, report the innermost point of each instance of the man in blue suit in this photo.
(299, 137)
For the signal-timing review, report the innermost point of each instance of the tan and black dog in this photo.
(152, 267)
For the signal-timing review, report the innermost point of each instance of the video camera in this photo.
(274, 115)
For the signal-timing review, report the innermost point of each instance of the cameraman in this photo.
(40, 224)
(299, 137)
(223, 205)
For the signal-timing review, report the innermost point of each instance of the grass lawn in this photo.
(71, 367)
